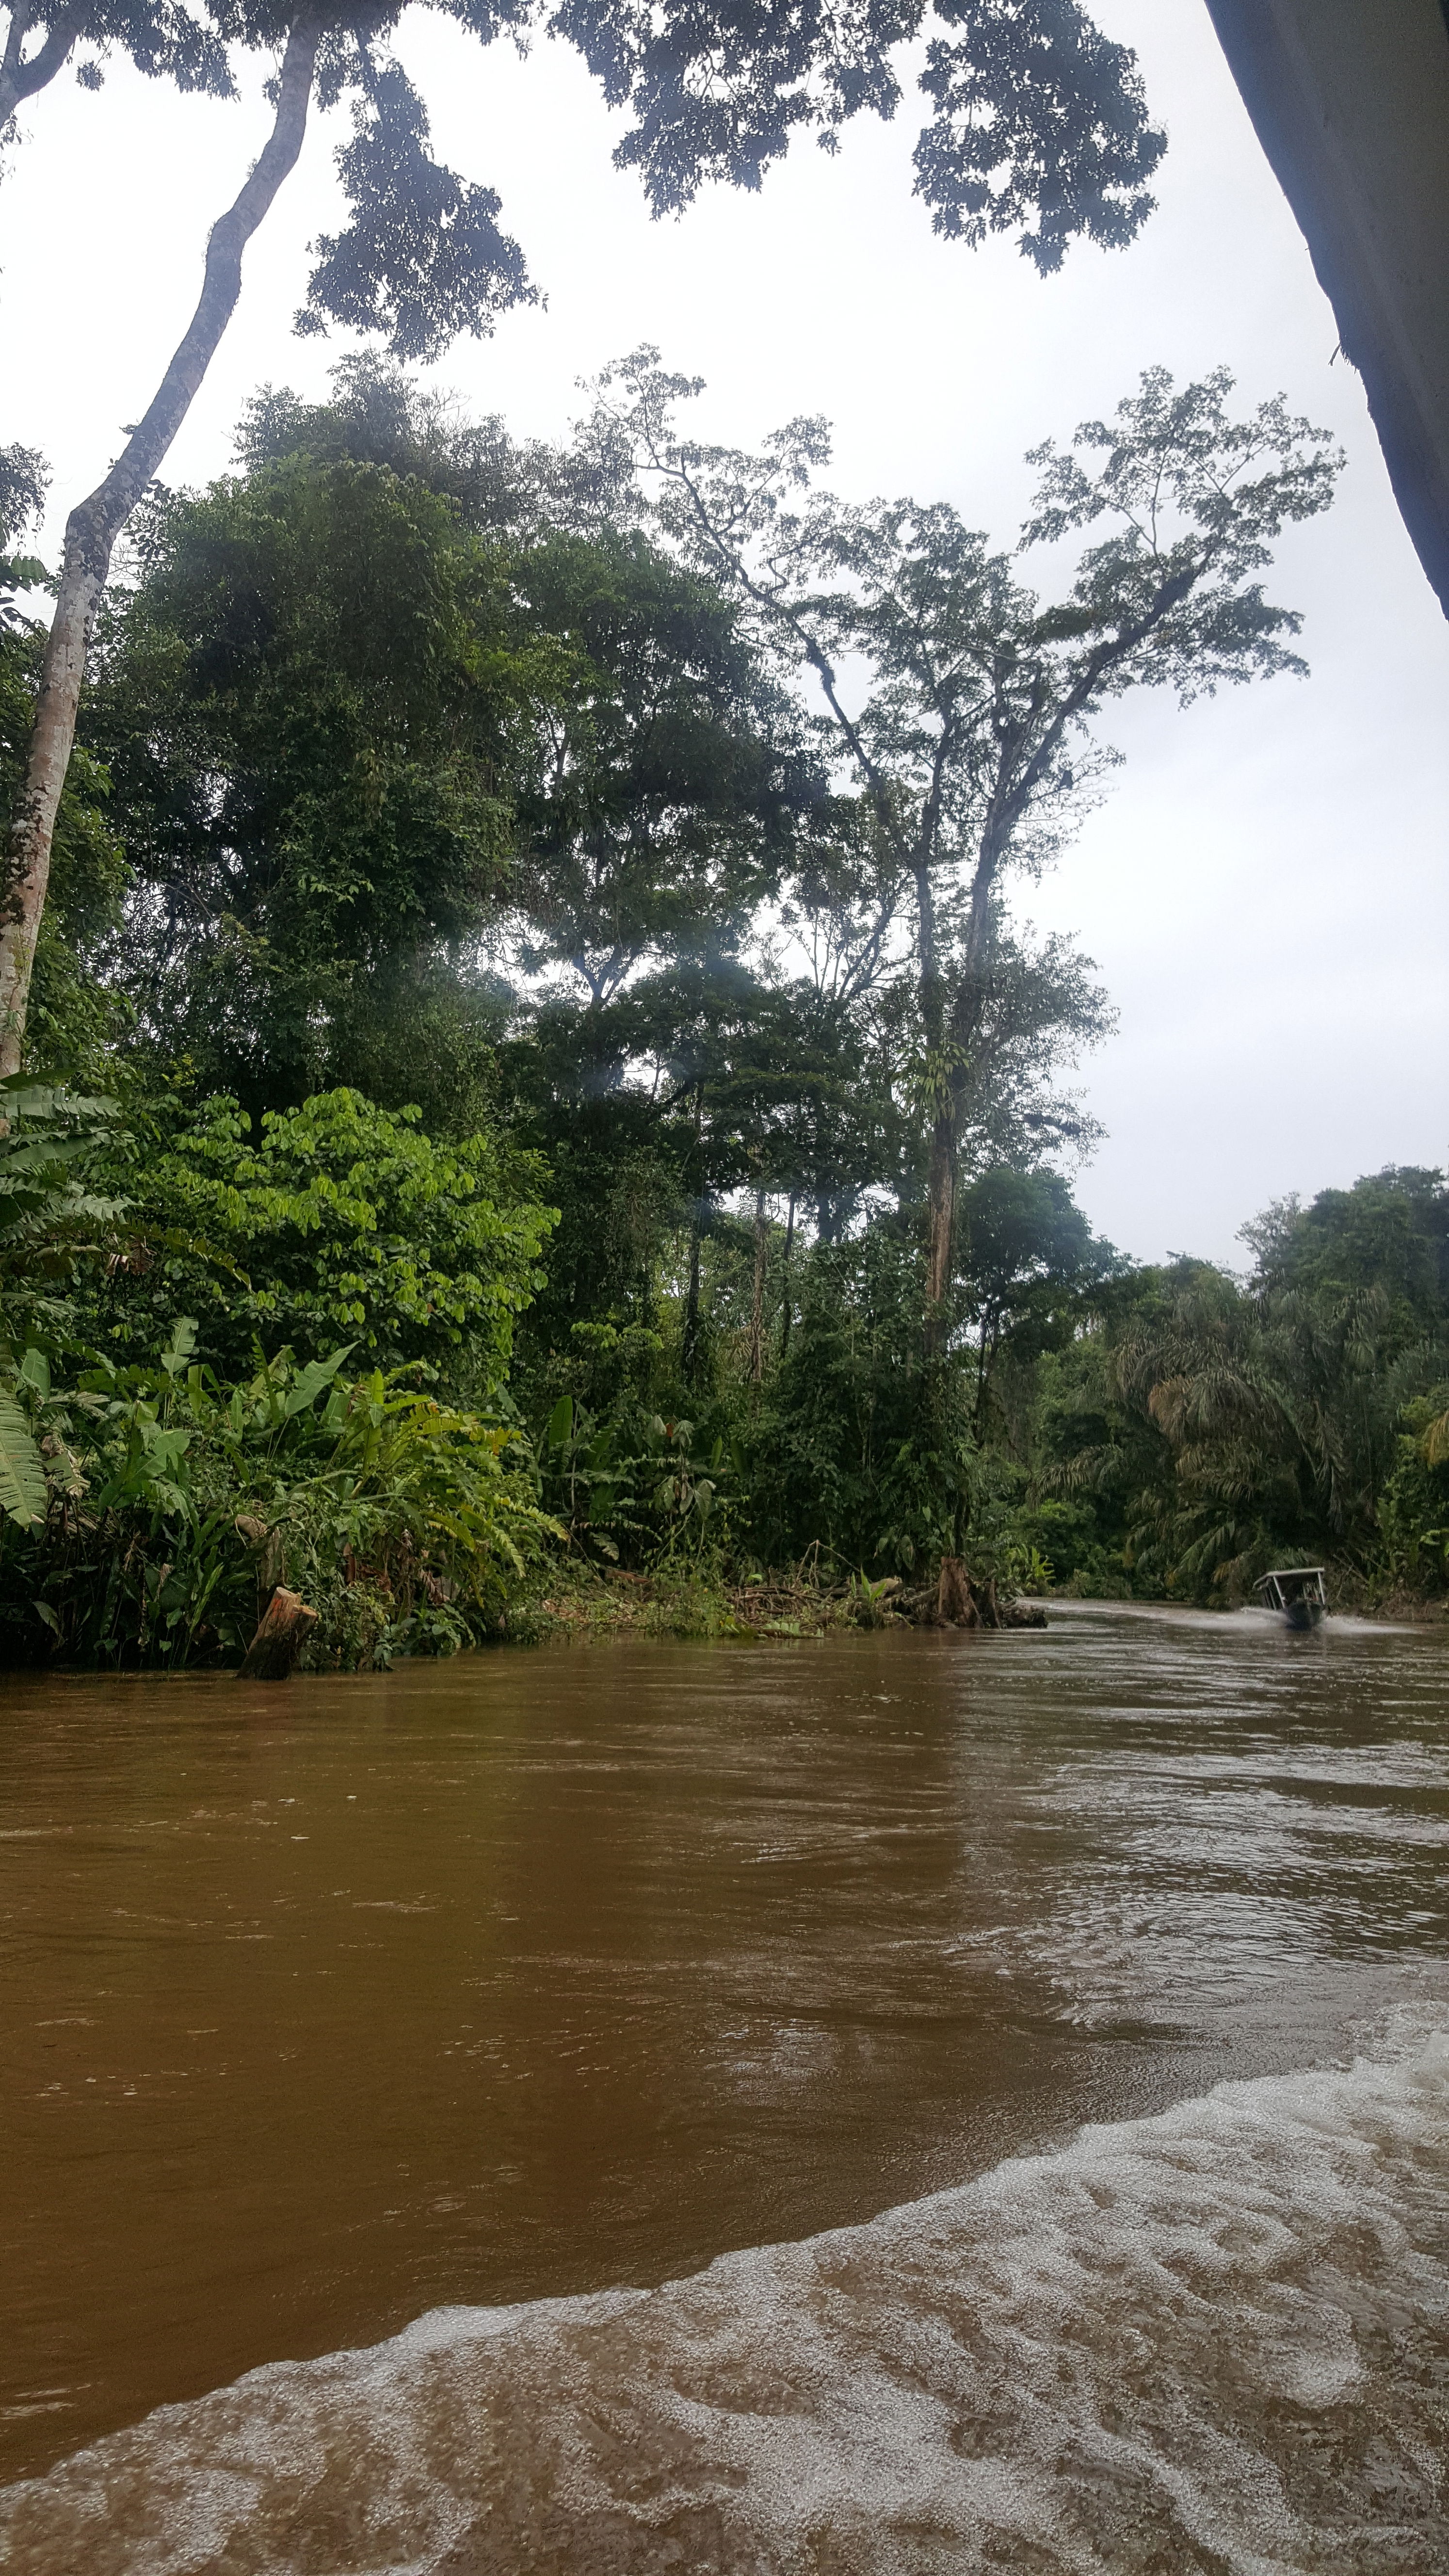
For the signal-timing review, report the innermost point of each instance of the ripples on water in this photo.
(642, 1953)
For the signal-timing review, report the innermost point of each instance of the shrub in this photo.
(168, 1505)
(1414, 1506)
(340, 1222)
(55, 1221)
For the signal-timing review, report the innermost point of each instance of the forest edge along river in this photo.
(378, 2047)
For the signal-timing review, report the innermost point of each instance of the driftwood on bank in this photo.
(281, 1635)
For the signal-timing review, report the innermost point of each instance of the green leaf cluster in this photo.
(337, 1219)
(58, 1217)
(152, 1508)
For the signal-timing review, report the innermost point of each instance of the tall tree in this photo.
(74, 1018)
(358, 750)
(958, 704)
(1039, 126)
(1027, 1254)
(1390, 1232)
(658, 803)
(312, 707)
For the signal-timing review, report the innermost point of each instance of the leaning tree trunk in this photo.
(96, 523)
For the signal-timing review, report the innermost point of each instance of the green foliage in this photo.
(1036, 113)
(422, 257)
(634, 1488)
(22, 1471)
(24, 481)
(685, 1488)
(307, 708)
(1390, 1232)
(165, 40)
(854, 1445)
(337, 1219)
(348, 735)
(170, 1504)
(379, 415)
(75, 1014)
(58, 1219)
(654, 814)
(1414, 1508)
(1038, 125)
(443, 784)
(1027, 1255)
(1229, 1428)
(54, 1225)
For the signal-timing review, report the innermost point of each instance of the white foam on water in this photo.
(1248, 1619)
(1216, 2340)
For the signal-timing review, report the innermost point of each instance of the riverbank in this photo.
(579, 1600)
(575, 1600)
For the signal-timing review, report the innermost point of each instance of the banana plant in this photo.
(151, 1507)
(686, 1492)
(590, 1476)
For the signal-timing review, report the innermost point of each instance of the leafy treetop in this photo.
(1039, 124)
(24, 481)
(1390, 1232)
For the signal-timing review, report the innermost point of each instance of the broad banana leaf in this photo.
(22, 1477)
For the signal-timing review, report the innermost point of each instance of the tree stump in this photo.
(280, 1637)
(962, 1602)
(955, 1607)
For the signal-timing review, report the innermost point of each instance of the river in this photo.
(1023, 2061)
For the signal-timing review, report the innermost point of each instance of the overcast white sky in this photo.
(1265, 889)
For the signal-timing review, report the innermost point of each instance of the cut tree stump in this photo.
(961, 1602)
(281, 1635)
(954, 1605)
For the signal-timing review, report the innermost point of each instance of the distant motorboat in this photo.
(1296, 1592)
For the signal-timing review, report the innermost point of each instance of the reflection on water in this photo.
(530, 1976)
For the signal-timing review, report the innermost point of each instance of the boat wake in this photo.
(1217, 2340)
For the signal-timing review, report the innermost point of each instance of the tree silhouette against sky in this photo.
(1037, 126)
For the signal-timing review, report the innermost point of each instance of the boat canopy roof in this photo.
(1284, 1573)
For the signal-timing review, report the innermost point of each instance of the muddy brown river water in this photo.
(377, 2048)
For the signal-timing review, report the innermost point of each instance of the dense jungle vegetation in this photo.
(537, 1077)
